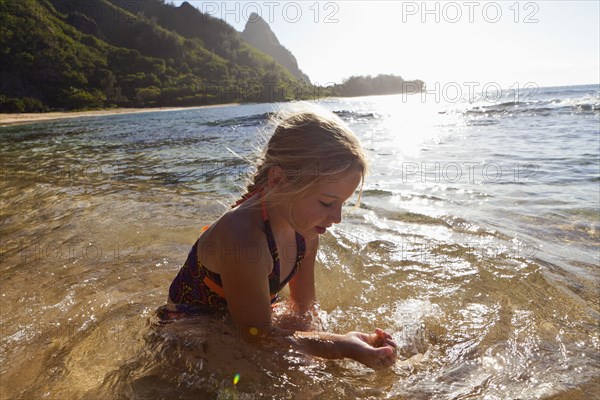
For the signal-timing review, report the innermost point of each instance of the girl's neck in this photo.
(279, 216)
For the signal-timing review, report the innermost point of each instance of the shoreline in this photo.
(31, 118)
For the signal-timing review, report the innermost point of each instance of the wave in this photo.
(353, 115)
(249, 120)
(547, 107)
(482, 122)
(259, 119)
(403, 196)
(377, 192)
(451, 222)
(568, 90)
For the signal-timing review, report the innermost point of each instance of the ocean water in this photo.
(476, 245)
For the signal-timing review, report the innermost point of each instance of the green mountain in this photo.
(258, 33)
(64, 54)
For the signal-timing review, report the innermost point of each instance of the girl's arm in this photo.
(245, 282)
(302, 285)
(376, 350)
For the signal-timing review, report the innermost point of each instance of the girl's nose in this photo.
(336, 216)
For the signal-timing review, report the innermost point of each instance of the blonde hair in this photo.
(309, 145)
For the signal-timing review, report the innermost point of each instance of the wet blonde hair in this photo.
(310, 145)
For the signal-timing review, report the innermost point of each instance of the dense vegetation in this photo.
(71, 54)
(57, 54)
(380, 84)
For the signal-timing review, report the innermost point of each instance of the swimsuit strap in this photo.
(274, 277)
(300, 250)
(265, 218)
(270, 241)
(265, 214)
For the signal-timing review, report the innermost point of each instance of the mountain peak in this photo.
(187, 7)
(258, 33)
(254, 17)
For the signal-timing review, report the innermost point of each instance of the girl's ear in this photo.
(275, 176)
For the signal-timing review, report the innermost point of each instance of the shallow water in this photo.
(475, 245)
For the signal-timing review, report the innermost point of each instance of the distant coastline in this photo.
(28, 118)
(356, 86)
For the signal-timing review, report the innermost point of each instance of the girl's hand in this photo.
(376, 350)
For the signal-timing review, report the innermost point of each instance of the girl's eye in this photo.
(326, 204)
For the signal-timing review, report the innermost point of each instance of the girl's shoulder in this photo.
(235, 237)
(240, 223)
(241, 226)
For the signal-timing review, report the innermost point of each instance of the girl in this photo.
(312, 164)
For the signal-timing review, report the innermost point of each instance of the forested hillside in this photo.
(377, 85)
(63, 54)
(71, 55)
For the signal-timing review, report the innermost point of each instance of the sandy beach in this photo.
(28, 118)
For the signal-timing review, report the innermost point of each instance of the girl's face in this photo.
(322, 207)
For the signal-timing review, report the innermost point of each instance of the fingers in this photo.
(382, 334)
(386, 338)
(389, 359)
(376, 351)
(390, 342)
(384, 356)
(384, 359)
(384, 351)
(388, 356)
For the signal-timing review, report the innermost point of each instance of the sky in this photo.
(467, 43)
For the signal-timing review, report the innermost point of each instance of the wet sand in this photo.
(30, 118)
